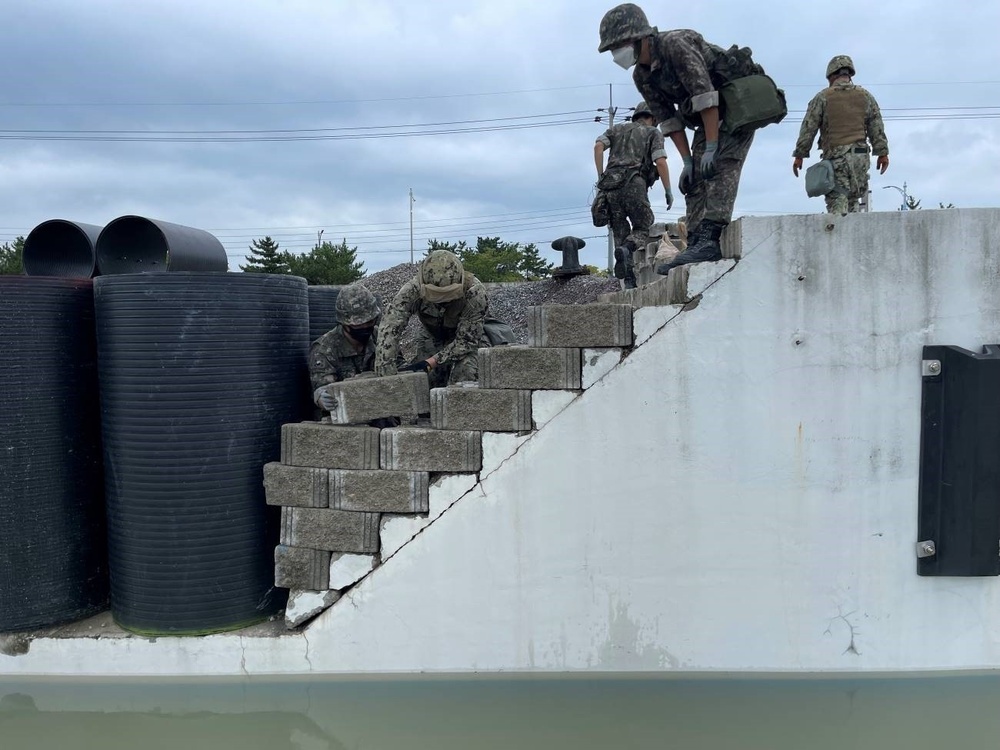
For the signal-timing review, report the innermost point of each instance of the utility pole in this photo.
(319, 238)
(902, 191)
(611, 235)
(412, 200)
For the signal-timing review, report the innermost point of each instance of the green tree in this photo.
(11, 255)
(265, 257)
(494, 260)
(912, 204)
(327, 263)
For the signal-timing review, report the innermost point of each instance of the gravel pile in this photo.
(508, 302)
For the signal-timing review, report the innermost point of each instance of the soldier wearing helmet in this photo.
(451, 306)
(847, 118)
(637, 158)
(349, 349)
(679, 74)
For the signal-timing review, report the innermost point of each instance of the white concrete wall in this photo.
(740, 494)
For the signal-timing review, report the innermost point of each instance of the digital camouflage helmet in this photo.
(642, 110)
(839, 62)
(441, 268)
(623, 25)
(356, 305)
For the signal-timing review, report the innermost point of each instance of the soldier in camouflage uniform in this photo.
(349, 349)
(451, 306)
(637, 159)
(678, 73)
(847, 118)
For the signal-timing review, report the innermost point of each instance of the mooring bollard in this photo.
(570, 249)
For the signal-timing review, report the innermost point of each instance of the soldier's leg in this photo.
(859, 166)
(640, 214)
(720, 191)
(620, 228)
(694, 201)
(837, 201)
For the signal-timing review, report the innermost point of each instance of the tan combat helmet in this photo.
(839, 62)
(642, 110)
(356, 305)
(441, 277)
(622, 25)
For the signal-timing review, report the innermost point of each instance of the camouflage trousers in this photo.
(714, 199)
(850, 174)
(465, 369)
(631, 214)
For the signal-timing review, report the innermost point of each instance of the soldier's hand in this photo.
(687, 174)
(796, 165)
(708, 160)
(670, 198)
(882, 164)
(325, 400)
(421, 365)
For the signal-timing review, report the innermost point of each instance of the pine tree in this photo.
(327, 264)
(11, 257)
(265, 257)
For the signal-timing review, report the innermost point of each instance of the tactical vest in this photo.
(441, 320)
(845, 117)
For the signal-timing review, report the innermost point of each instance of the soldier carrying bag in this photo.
(819, 179)
(749, 99)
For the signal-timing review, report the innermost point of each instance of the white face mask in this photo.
(624, 56)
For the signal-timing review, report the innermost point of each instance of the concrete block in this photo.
(597, 363)
(330, 530)
(490, 409)
(529, 368)
(578, 326)
(329, 446)
(445, 492)
(301, 568)
(545, 405)
(498, 447)
(360, 400)
(664, 290)
(347, 570)
(379, 491)
(649, 320)
(305, 605)
(300, 486)
(423, 449)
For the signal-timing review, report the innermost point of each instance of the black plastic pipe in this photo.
(135, 244)
(59, 247)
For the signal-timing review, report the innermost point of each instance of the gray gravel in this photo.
(508, 302)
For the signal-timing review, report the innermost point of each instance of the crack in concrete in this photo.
(243, 656)
(308, 658)
(852, 647)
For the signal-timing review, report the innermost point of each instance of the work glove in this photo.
(325, 400)
(670, 198)
(687, 174)
(419, 366)
(708, 160)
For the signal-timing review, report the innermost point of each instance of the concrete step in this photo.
(428, 449)
(362, 399)
(484, 409)
(530, 368)
(329, 446)
(578, 326)
(330, 530)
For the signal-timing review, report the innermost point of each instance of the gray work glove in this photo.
(670, 198)
(324, 399)
(687, 174)
(708, 160)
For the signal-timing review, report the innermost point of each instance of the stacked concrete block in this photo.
(530, 368)
(379, 491)
(484, 409)
(361, 400)
(298, 486)
(330, 530)
(301, 568)
(580, 326)
(329, 447)
(423, 449)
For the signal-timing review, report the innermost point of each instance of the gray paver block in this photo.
(579, 326)
(529, 368)
(485, 409)
(330, 530)
(360, 400)
(422, 449)
(301, 486)
(379, 491)
(301, 568)
(329, 446)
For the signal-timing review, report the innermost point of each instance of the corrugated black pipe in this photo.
(59, 247)
(135, 244)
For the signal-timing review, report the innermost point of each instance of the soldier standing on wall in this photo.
(637, 158)
(847, 118)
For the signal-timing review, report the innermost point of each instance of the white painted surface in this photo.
(547, 405)
(597, 363)
(498, 447)
(348, 569)
(763, 517)
(397, 530)
(305, 604)
(646, 321)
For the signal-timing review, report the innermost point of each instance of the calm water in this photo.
(490, 713)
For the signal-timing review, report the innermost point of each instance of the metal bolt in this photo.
(934, 368)
(926, 548)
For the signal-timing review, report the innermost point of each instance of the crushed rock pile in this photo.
(508, 301)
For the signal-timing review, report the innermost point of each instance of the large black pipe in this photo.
(135, 244)
(58, 247)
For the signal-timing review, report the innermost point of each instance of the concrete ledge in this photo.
(301, 568)
(421, 449)
(360, 400)
(330, 530)
(300, 486)
(329, 446)
(529, 368)
(379, 491)
(485, 409)
(590, 325)
(665, 290)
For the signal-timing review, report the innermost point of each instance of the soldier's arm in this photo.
(688, 60)
(602, 143)
(810, 126)
(659, 156)
(470, 327)
(322, 367)
(875, 127)
(390, 329)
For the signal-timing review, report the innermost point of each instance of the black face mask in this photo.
(361, 335)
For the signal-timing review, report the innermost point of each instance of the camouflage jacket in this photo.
(684, 75)
(333, 358)
(457, 341)
(634, 145)
(815, 120)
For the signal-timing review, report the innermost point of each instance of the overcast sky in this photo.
(332, 84)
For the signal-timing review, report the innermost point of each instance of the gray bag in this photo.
(819, 179)
(498, 332)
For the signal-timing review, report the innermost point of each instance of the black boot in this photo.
(704, 248)
(623, 259)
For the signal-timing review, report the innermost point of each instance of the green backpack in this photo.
(751, 102)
